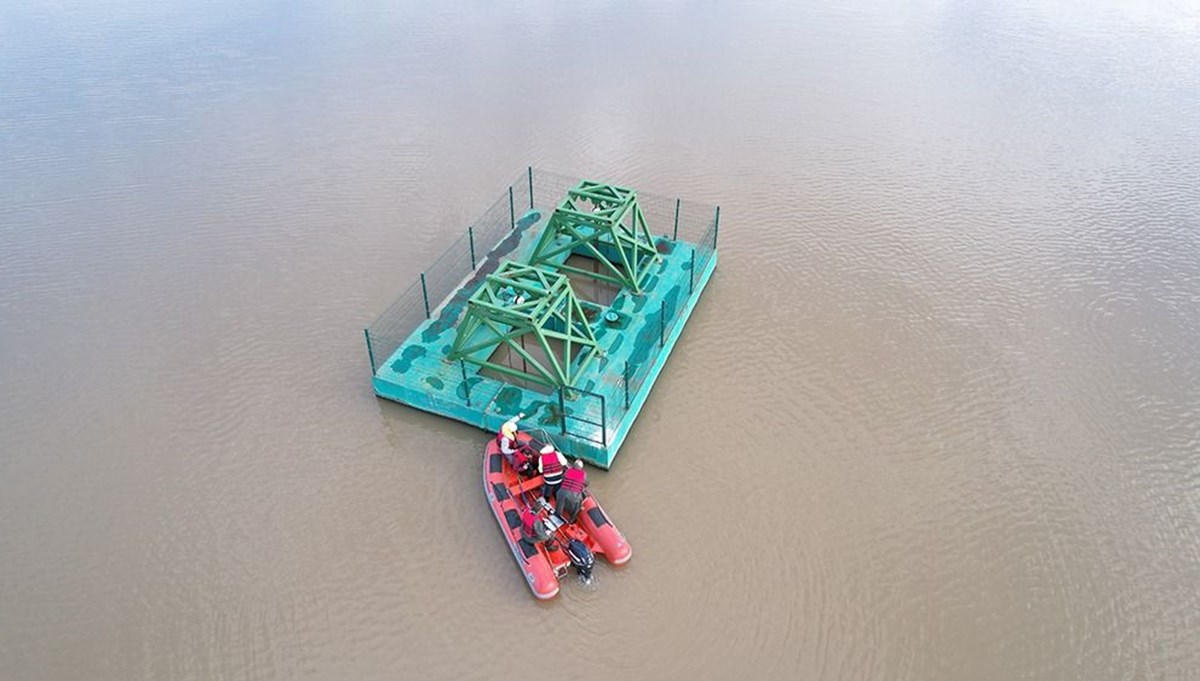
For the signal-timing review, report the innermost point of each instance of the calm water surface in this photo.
(937, 417)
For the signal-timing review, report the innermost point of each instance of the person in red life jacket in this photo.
(570, 495)
(533, 530)
(510, 448)
(551, 465)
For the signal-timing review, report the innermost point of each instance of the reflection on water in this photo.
(936, 417)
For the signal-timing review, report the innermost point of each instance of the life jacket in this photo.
(512, 452)
(519, 459)
(528, 518)
(552, 470)
(574, 480)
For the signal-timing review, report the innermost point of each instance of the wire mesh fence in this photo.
(549, 189)
(387, 332)
(610, 406)
(494, 235)
(480, 248)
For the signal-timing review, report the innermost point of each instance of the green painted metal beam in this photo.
(520, 300)
(591, 217)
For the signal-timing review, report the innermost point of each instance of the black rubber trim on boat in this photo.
(495, 463)
(597, 516)
(501, 491)
(514, 520)
(528, 549)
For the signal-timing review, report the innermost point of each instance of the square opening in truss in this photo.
(506, 356)
(587, 288)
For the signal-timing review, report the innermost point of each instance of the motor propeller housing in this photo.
(581, 557)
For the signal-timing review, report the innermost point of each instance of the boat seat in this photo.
(501, 491)
(527, 548)
(597, 516)
(526, 485)
(514, 520)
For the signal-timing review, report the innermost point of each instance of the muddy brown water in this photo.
(937, 417)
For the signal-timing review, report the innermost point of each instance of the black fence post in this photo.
(603, 422)
(370, 351)
(716, 227)
(512, 211)
(626, 385)
(662, 323)
(471, 240)
(692, 274)
(425, 295)
(675, 234)
(529, 172)
(562, 410)
(466, 384)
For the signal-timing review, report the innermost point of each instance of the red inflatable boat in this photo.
(544, 564)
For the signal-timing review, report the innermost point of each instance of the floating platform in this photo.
(563, 301)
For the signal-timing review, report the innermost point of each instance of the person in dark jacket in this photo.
(533, 529)
(570, 495)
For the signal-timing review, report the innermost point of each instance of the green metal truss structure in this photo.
(613, 232)
(519, 300)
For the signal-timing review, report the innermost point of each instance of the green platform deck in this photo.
(592, 418)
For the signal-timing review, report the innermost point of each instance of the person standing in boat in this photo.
(551, 465)
(570, 495)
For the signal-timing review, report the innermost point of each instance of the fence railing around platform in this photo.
(481, 247)
(583, 415)
(590, 407)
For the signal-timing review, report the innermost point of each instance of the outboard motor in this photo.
(582, 558)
